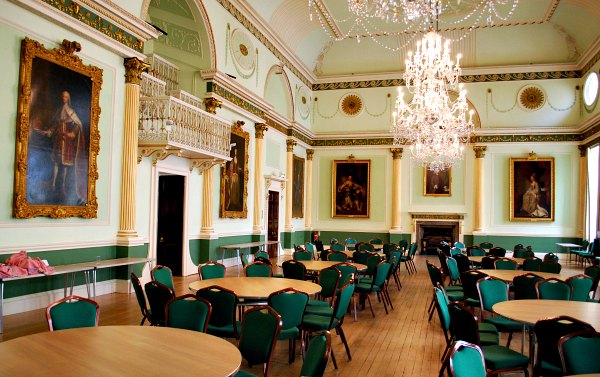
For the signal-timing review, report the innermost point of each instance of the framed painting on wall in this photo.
(234, 176)
(298, 188)
(437, 183)
(57, 140)
(532, 189)
(351, 188)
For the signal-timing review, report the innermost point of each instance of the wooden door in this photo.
(169, 249)
(273, 223)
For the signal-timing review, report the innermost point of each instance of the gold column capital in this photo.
(396, 153)
(309, 154)
(133, 70)
(260, 129)
(290, 145)
(211, 105)
(582, 150)
(479, 151)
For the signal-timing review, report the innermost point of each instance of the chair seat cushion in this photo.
(319, 310)
(452, 288)
(242, 373)
(499, 357)
(456, 295)
(489, 339)
(551, 370)
(224, 331)
(487, 327)
(504, 324)
(313, 322)
(291, 333)
(313, 302)
(365, 288)
(277, 275)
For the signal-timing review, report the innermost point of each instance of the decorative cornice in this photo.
(526, 138)
(437, 216)
(352, 142)
(133, 70)
(396, 153)
(212, 86)
(479, 151)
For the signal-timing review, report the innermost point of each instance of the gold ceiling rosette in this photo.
(351, 104)
(531, 97)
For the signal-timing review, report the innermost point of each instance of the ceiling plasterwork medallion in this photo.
(531, 97)
(242, 51)
(303, 100)
(351, 104)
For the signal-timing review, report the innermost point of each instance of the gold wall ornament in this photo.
(309, 154)
(351, 104)
(290, 145)
(532, 156)
(234, 176)
(212, 104)
(479, 151)
(133, 70)
(396, 153)
(531, 97)
(260, 129)
(57, 139)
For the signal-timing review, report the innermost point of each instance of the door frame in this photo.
(277, 184)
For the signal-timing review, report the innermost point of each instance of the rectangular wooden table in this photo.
(567, 246)
(248, 245)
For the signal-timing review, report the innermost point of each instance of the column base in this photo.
(130, 241)
(288, 228)
(396, 230)
(208, 234)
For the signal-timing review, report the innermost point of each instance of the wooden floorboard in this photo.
(401, 343)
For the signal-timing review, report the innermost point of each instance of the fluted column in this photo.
(289, 172)
(396, 188)
(479, 180)
(308, 203)
(133, 73)
(260, 130)
(207, 200)
(582, 188)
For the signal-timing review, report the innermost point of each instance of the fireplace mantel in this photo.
(442, 219)
(436, 216)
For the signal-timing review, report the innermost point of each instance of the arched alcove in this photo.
(278, 92)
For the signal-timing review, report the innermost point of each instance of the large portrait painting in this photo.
(351, 188)
(57, 133)
(234, 176)
(437, 183)
(532, 189)
(298, 188)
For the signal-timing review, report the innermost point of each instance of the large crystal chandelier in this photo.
(405, 11)
(437, 126)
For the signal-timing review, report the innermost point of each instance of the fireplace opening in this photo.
(432, 235)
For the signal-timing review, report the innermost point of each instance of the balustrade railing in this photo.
(164, 70)
(152, 86)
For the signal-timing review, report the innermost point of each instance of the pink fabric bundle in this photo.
(7, 271)
(31, 265)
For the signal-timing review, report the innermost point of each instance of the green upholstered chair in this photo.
(315, 323)
(488, 262)
(553, 289)
(459, 245)
(337, 247)
(453, 272)
(290, 304)
(141, 298)
(492, 291)
(377, 285)
(403, 245)
(317, 356)
(396, 256)
(477, 252)
(293, 269)
(244, 259)
(72, 312)
(532, 264)
(262, 254)
(486, 245)
(581, 286)
(376, 241)
(550, 266)
(163, 274)
(594, 273)
(497, 251)
(579, 352)
(547, 333)
(408, 258)
(258, 269)
(360, 256)
(260, 329)
(466, 360)
(350, 244)
(455, 293)
(311, 248)
(462, 260)
(455, 251)
(524, 286)
(188, 312)
(388, 248)
(329, 280)
(497, 358)
(366, 247)
(337, 256)
(224, 305)
(505, 264)
(302, 255)
(518, 253)
(211, 270)
(158, 295)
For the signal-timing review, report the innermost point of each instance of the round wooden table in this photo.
(477, 259)
(508, 275)
(256, 288)
(318, 265)
(119, 351)
(531, 311)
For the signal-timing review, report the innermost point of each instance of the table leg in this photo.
(86, 274)
(72, 283)
(1, 306)
(94, 281)
(66, 283)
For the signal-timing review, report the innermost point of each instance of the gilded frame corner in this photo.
(532, 189)
(234, 178)
(57, 140)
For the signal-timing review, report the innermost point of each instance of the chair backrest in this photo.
(293, 269)
(491, 291)
(329, 280)
(366, 247)
(477, 252)
(372, 262)
(412, 250)
(211, 270)
(348, 272)
(499, 252)
(548, 332)
(453, 269)
(260, 328)
(524, 286)
(469, 283)
(263, 260)
(486, 245)
(435, 274)
(441, 305)
(532, 264)
(224, 306)
(455, 251)
(263, 254)
(463, 262)
(581, 286)
(163, 274)
(442, 257)
(518, 253)
(487, 262)
(158, 295)
(290, 304)
(72, 312)
(579, 352)
(323, 254)
(302, 255)
(337, 256)
(459, 245)
(388, 248)
(505, 264)
(141, 297)
(317, 356)
(382, 271)
(188, 312)
(258, 269)
(463, 325)
(376, 241)
(396, 255)
(553, 289)
(337, 247)
(551, 257)
(360, 257)
(310, 247)
(350, 243)
(466, 360)
(342, 301)
(594, 273)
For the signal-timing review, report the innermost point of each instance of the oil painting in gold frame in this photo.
(437, 183)
(234, 176)
(350, 191)
(57, 141)
(532, 189)
(298, 188)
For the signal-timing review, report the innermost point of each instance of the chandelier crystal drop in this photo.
(437, 126)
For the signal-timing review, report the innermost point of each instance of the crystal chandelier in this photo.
(437, 126)
(405, 11)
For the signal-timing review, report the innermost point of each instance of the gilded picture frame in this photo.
(58, 140)
(298, 187)
(437, 183)
(234, 176)
(532, 189)
(350, 191)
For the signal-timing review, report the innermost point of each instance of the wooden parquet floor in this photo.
(401, 343)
